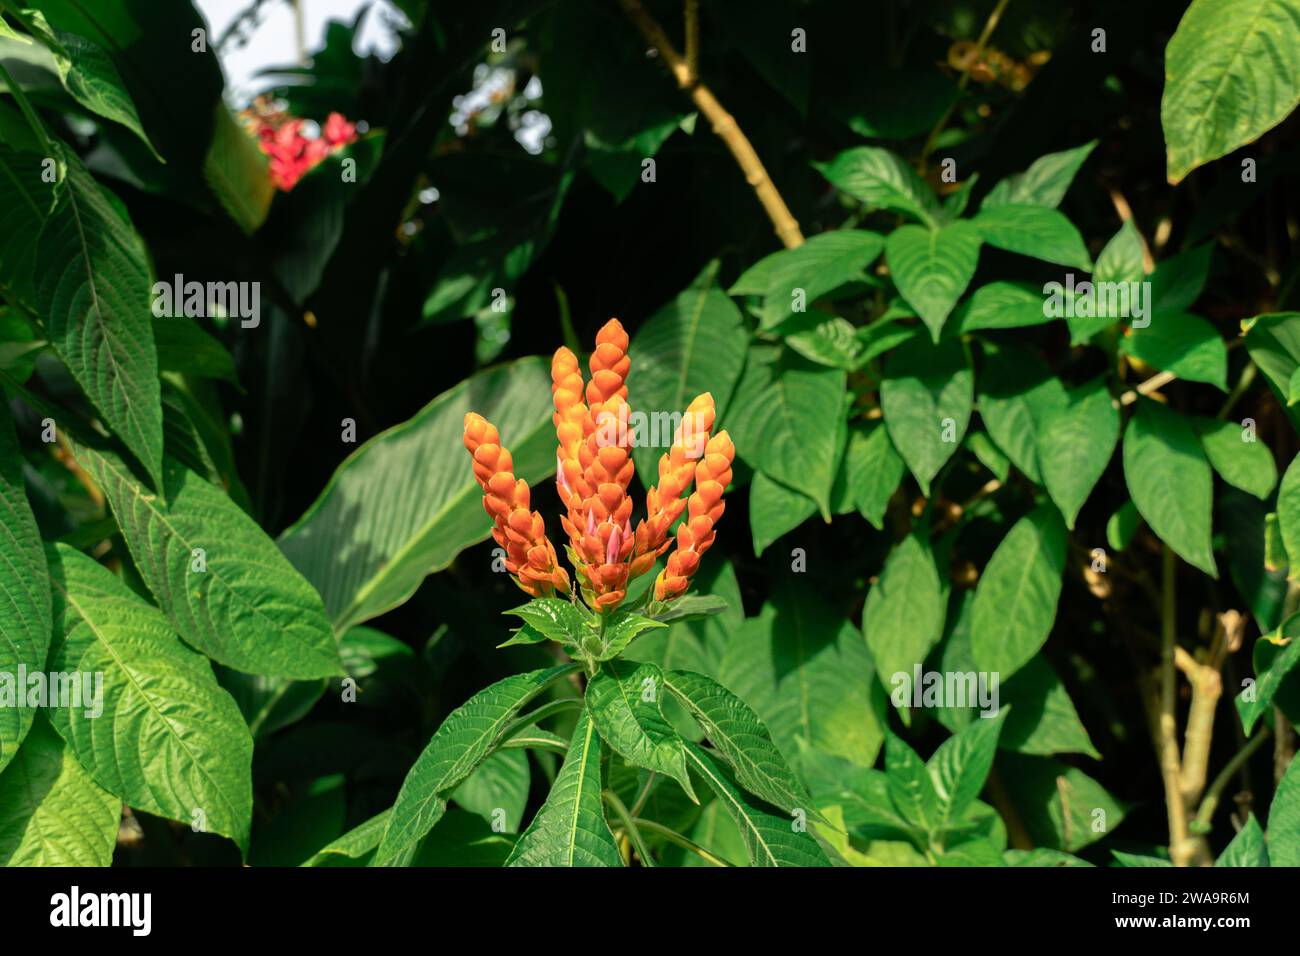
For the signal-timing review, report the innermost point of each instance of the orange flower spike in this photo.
(705, 507)
(530, 557)
(572, 423)
(664, 502)
(609, 365)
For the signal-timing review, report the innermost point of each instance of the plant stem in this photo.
(1210, 802)
(1167, 723)
(534, 743)
(672, 836)
(630, 826)
(541, 713)
(989, 26)
(692, 17)
(644, 795)
(723, 123)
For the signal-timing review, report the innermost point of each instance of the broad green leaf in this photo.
(874, 469)
(1273, 341)
(692, 607)
(354, 845)
(806, 671)
(961, 765)
(497, 790)
(736, 732)
(461, 742)
(465, 839)
(160, 733)
(1183, 344)
(1018, 393)
(1178, 281)
(1015, 600)
(1288, 511)
(1139, 860)
(989, 454)
(1284, 819)
(1041, 857)
(926, 396)
(770, 840)
(92, 288)
(882, 180)
(822, 338)
(775, 509)
(1169, 479)
(787, 420)
(817, 267)
(932, 267)
(223, 584)
(1247, 847)
(1075, 444)
(1002, 305)
(1275, 655)
(236, 169)
(1033, 230)
(911, 785)
(556, 619)
(694, 344)
(1122, 525)
(367, 550)
(1044, 183)
(52, 813)
(186, 348)
(1121, 268)
(903, 617)
(1232, 72)
(25, 620)
(570, 828)
(624, 702)
(1242, 463)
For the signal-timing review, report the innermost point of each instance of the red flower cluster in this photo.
(294, 155)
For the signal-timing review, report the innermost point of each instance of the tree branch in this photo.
(723, 123)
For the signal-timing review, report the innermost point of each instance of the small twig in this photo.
(692, 16)
(1153, 384)
(630, 827)
(672, 836)
(723, 123)
(1166, 722)
(1210, 802)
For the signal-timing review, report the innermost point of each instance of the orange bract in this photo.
(593, 469)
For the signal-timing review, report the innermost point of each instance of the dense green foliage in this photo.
(997, 302)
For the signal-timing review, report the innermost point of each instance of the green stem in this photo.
(1210, 802)
(541, 713)
(630, 826)
(672, 836)
(33, 120)
(644, 795)
(535, 743)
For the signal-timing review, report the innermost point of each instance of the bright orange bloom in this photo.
(593, 469)
(695, 535)
(530, 557)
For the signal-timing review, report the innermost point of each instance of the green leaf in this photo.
(499, 783)
(694, 344)
(52, 813)
(556, 619)
(25, 620)
(911, 785)
(1183, 344)
(92, 288)
(1061, 806)
(1232, 72)
(1284, 819)
(932, 268)
(775, 509)
(1036, 231)
(25, 201)
(1273, 342)
(1247, 847)
(903, 617)
(1120, 261)
(882, 180)
(622, 629)
(160, 733)
(806, 671)
(926, 397)
(692, 607)
(770, 840)
(1276, 655)
(353, 845)
(1138, 859)
(1179, 280)
(787, 420)
(1288, 510)
(366, 550)
(1244, 464)
(186, 348)
(1018, 393)
(570, 828)
(236, 169)
(1169, 480)
(1075, 444)
(961, 765)
(736, 732)
(822, 338)
(461, 742)
(1015, 600)
(238, 601)
(1122, 525)
(874, 469)
(818, 267)
(1002, 305)
(989, 455)
(1044, 183)
(624, 703)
